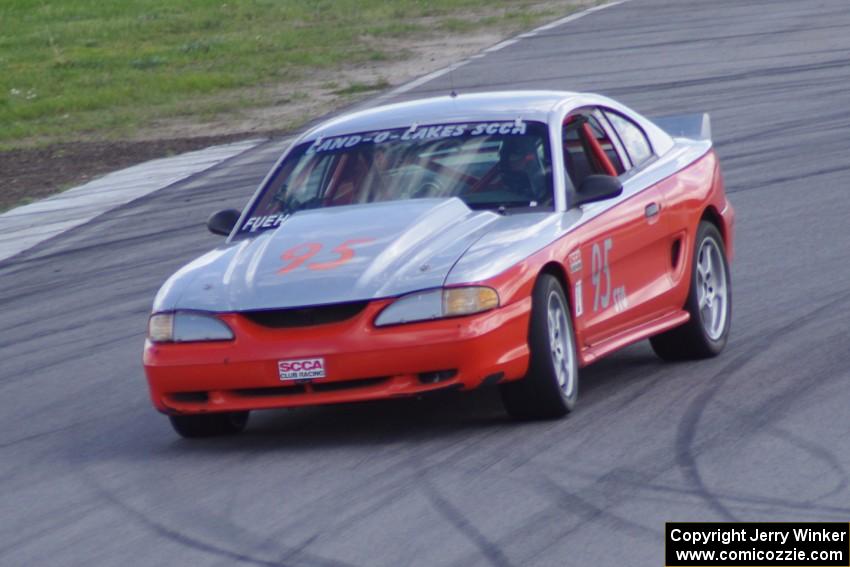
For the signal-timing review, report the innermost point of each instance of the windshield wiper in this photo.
(501, 207)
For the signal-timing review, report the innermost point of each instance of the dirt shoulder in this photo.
(29, 174)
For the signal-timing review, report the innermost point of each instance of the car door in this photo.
(623, 241)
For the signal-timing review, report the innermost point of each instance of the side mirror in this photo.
(223, 222)
(598, 188)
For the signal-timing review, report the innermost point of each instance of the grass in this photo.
(89, 68)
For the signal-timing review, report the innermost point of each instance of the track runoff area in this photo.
(691, 544)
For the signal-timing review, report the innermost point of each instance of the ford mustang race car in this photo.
(503, 238)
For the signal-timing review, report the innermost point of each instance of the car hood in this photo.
(364, 252)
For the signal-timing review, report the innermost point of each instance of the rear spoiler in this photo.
(695, 126)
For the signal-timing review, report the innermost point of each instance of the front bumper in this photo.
(362, 362)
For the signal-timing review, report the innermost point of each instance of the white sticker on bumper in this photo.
(301, 369)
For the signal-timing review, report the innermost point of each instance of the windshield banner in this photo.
(416, 132)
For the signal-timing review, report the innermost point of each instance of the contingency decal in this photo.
(575, 261)
(601, 269)
(621, 301)
(578, 299)
(416, 132)
(298, 255)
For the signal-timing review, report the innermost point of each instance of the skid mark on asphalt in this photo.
(770, 183)
(184, 539)
(816, 451)
(51, 526)
(688, 426)
(568, 502)
(383, 487)
(412, 470)
(453, 515)
(763, 503)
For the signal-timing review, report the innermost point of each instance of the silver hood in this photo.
(400, 247)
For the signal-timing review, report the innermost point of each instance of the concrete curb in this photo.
(23, 227)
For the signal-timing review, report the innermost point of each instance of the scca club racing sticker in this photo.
(301, 369)
(575, 261)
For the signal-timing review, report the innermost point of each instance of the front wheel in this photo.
(209, 424)
(709, 303)
(550, 388)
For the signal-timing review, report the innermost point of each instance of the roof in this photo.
(472, 107)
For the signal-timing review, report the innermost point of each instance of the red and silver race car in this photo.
(504, 238)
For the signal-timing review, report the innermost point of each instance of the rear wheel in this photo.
(709, 303)
(209, 424)
(550, 388)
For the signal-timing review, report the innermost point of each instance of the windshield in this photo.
(489, 165)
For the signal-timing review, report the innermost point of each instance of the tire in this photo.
(709, 303)
(209, 424)
(550, 388)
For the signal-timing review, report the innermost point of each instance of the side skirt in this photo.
(664, 323)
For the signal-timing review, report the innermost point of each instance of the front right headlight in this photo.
(187, 326)
(161, 327)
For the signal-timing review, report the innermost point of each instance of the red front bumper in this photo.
(362, 362)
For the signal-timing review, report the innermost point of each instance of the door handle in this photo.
(652, 210)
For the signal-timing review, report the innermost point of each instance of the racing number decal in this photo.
(298, 255)
(345, 254)
(599, 266)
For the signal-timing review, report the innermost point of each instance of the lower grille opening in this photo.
(347, 384)
(199, 397)
(437, 376)
(296, 389)
(493, 379)
(279, 391)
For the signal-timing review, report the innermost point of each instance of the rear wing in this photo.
(695, 126)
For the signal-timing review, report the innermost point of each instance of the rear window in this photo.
(633, 138)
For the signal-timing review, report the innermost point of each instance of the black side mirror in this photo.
(223, 222)
(598, 188)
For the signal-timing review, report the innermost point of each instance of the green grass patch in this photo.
(70, 68)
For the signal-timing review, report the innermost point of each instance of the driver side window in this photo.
(588, 150)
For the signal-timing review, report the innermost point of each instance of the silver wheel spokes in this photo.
(560, 343)
(712, 288)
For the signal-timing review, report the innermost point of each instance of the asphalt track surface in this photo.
(90, 474)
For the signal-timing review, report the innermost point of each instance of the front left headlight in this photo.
(437, 304)
(186, 327)
(468, 300)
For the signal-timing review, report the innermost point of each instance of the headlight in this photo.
(438, 303)
(161, 327)
(187, 326)
(468, 300)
